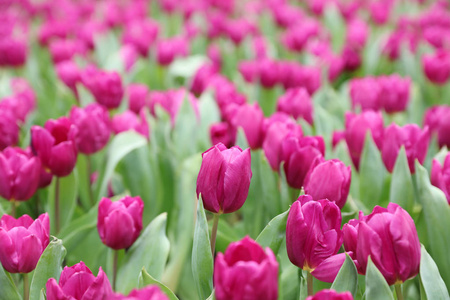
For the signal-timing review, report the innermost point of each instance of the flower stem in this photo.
(115, 259)
(214, 233)
(57, 224)
(309, 283)
(26, 287)
(13, 208)
(398, 291)
(89, 173)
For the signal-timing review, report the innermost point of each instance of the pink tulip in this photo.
(13, 52)
(440, 176)
(224, 178)
(394, 93)
(151, 292)
(224, 133)
(437, 66)
(120, 223)
(250, 118)
(69, 73)
(9, 130)
(330, 295)
(137, 96)
(364, 93)
(246, 271)
(128, 120)
(141, 34)
(437, 119)
(62, 50)
(23, 240)
(297, 103)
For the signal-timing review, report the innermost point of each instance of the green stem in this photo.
(26, 287)
(115, 259)
(309, 283)
(214, 233)
(57, 224)
(13, 208)
(89, 173)
(398, 291)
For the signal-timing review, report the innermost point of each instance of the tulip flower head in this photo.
(331, 295)
(440, 176)
(151, 292)
(22, 242)
(224, 178)
(246, 271)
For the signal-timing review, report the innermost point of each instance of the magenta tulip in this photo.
(224, 133)
(246, 271)
(19, 174)
(151, 292)
(329, 180)
(410, 136)
(128, 120)
(22, 242)
(224, 178)
(394, 93)
(78, 283)
(297, 103)
(137, 96)
(13, 52)
(437, 118)
(364, 93)
(141, 34)
(250, 118)
(331, 295)
(440, 176)
(9, 130)
(389, 237)
(120, 223)
(106, 87)
(69, 73)
(437, 66)
(55, 145)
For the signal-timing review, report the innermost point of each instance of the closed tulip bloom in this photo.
(356, 129)
(224, 133)
(331, 295)
(19, 174)
(297, 103)
(269, 73)
(9, 130)
(23, 240)
(105, 86)
(78, 283)
(437, 66)
(13, 52)
(151, 292)
(69, 73)
(93, 126)
(329, 180)
(389, 237)
(440, 176)
(394, 93)
(137, 96)
(246, 271)
(119, 223)
(250, 118)
(55, 145)
(437, 119)
(364, 93)
(128, 120)
(412, 137)
(141, 34)
(224, 178)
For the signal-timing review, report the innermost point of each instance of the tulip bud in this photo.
(78, 282)
(23, 101)
(356, 129)
(224, 178)
(137, 96)
(129, 56)
(9, 130)
(394, 93)
(223, 133)
(202, 78)
(440, 176)
(437, 66)
(55, 145)
(23, 240)
(250, 118)
(297, 103)
(246, 271)
(130, 121)
(389, 237)
(69, 73)
(269, 73)
(141, 34)
(414, 139)
(313, 232)
(364, 92)
(120, 223)
(64, 49)
(249, 70)
(13, 52)
(93, 127)
(331, 295)
(151, 292)
(106, 87)
(19, 174)
(437, 119)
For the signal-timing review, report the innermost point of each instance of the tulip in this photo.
(437, 119)
(410, 136)
(106, 87)
(151, 292)
(9, 130)
(128, 120)
(356, 129)
(69, 73)
(394, 93)
(440, 176)
(329, 180)
(364, 92)
(389, 237)
(23, 101)
(167, 50)
(297, 103)
(55, 145)
(19, 174)
(223, 133)
(23, 240)
(128, 55)
(137, 96)
(246, 271)
(13, 52)
(63, 50)
(224, 178)
(141, 34)
(202, 78)
(78, 283)
(269, 73)
(250, 118)
(93, 126)
(120, 223)
(331, 295)
(437, 66)
(313, 233)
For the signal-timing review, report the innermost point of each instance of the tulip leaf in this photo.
(121, 145)
(48, 266)
(147, 279)
(436, 212)
(432, 282)
(209, 114)
(377, 287)
(273, 234)
(185, 131)
(150, 251)
(371, 173)
(402, 189)
(8, 289)
(347, 278)
(42, 295)
(202, 260)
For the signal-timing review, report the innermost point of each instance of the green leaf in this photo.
(48, 266)
(432, 281)
(376, 286)
(436, 212)
(147, 279)
(371, 173)
(8, 289)
(150, 251)
(402, 188)
(202, 260)
(121, 145)
(76, 230)
(273, 234)
(209, 114)
(347, 278)
(186, 67)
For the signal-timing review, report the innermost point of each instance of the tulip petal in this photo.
(30, 253)
(329, 268)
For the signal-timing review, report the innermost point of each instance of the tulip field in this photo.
(224, 149)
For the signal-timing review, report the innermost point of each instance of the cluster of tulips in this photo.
(320, 118)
